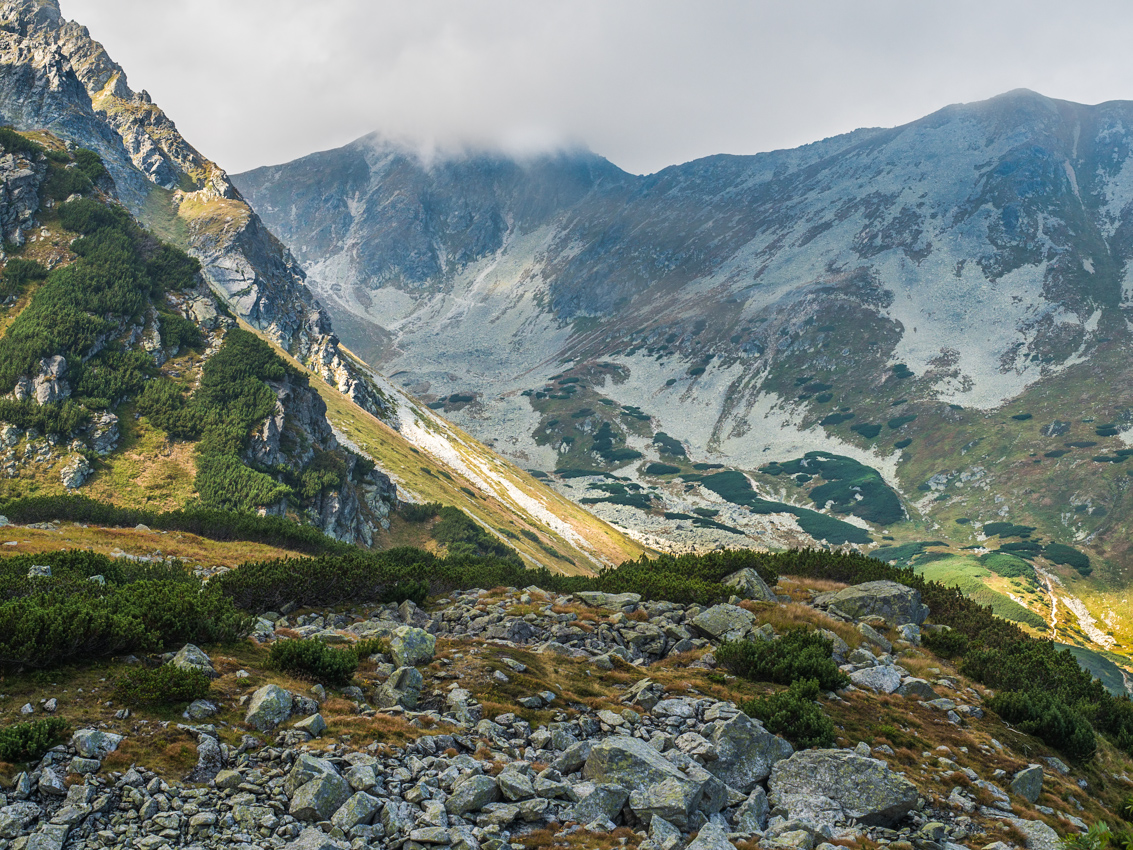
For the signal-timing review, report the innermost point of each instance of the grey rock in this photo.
(191, 657)
(611, 601)
(268, 707)
(711, 837)
(472, 794)
(752, 814)
(210, 760)
(604, 800)
(918, 689)
(76, 472)
(402, 688)
(515, 786)
(15, 818)
(319, 799)
(313, 725)
(884, 680)
(833, 786)
(306, 768)
(657, 786)
(875, 637)
(664, 835)
(39, 571)
(1037, 834)
(85, 766)
(312, 838)
(748, 584)
(201, 709)
(95, 744)
(895, 603)
(1028, 783)
(724, 622)
(104, 433)
(361, 808)
(50, 836)
(745, 752)
(411, 646)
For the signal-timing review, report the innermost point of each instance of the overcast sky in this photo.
(645, 83)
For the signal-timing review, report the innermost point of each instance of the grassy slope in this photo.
(429, 479)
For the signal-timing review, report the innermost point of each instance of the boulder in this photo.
(190, 657)
(402, 688)
(724, 622)
(319, 799)
(918, 688)
(268, 707)
(745, 752)
(1028, 782)
(361, 808)
(1037, 834)
(472, 794)
(306, 768)
(210, 760)
(895, 603)
(75, 474)
(658, 787)
(748, 584)
(15, 818)
(833, 786)
(313, 725)
(94, 744)
(611, 601)
(598, 802)
(884, 680)
(411, 646)
(752, 814)
(312, 838)
(711, 837)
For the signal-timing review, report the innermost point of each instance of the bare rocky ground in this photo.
(516, 718)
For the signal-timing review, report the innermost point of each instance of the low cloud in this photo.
(646, 83)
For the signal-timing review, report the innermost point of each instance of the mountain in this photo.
(129, 373)
(939, 310)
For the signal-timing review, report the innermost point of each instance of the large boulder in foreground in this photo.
(745, 752)
(834, 786)
(658, 788)
(895, 603)
(269, 706)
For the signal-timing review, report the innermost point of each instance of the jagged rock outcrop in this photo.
(53, 75)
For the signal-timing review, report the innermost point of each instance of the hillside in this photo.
(808, 711)
(937, 310)
(156, 396)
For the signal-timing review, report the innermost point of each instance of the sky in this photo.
(645, 83)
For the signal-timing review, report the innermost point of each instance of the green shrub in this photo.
(1097, 837)
(370, 646)
(1048, 718)
(794, 714)
(1060, 553)
(798, 654)
(64, 618)
(946, 644)
(213, 524)
(662, 469)
(315, 660)
(164, 685)
(17, 274)
(24, 742)
(13, 142)
(463, 535)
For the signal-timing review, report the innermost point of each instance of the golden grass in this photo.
(174, 544)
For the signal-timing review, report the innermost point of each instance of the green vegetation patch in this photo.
(794, 714)
(312, 659)
(164, 685)
(851, 487)
(798, 654)
(662, 469)
(666, 445)
(836, 419)
(1007, 529)
(734, 487)
(1008, 566)
(25, 742)
(900, 421)
(1060, 553)
(869, 430)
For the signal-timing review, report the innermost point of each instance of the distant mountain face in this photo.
(946, 302)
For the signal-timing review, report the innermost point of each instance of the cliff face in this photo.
(53, 76)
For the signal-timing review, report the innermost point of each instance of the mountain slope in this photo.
(57, 84)
(945, 303)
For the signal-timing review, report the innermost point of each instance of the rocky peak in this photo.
(54, 76)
